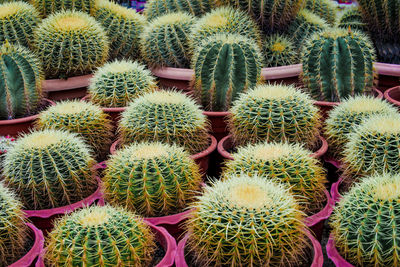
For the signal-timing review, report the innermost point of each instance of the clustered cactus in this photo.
(323, 8)
(49, 169)
(156, 8)
(100, 236)
(279, 50)
(152, 179)
(48, 7)
(224, 67)
(246, 221)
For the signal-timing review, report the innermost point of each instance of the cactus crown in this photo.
(244, 210)
(364, 222)
(48, 7)
(166, 116)
(278, 50)
(156, 8)
(117, 83)
(152, 179)
(121, 238)
(323, 8)
(274, 113)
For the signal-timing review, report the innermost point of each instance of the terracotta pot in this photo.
(33, 256)
(167, 242)
(71, 88)
(226, 144)
(218, 123)
(318, 258)
(115, 113)
(389, 75)
(334, 255)
(393, 96)
(22, 125)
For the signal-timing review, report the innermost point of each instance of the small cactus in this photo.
(279, 50)
(245, 221)
(100, 236)
(221, 76)
(165, 116)
(365, 222)
(326, 9)
(49, 169)
(352, 19)
(274, 113)
(337, 64)
(165, 41)
(48, 7)
(70, 43)
(152, 179)
(157, 8)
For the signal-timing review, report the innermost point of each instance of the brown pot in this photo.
(71, 88)
(393, 96)
(218, 123)
(22, 125)
(389, 75)
(115, 113)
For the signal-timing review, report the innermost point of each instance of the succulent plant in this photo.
(100, 236)
(49, 169)
(337, 64)
(279, 50)
(70, 43)
(86, 119)
(152, 179)
(245, 221)
(156, 8)
(48, 7)
(225, 66)
(165, 42)
(352, 18)
(326, 9)
(365, 222)
(123, 26)
(21, 79)
(13, 234)
(349, 114)
(225, 20)
(17, 22)
(165, 116)
(373, 147)
(289, 164)
(274, 113)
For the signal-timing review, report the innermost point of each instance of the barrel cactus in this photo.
(48, 7)
(326, 9)
(156, 8)
(165, 41)
(70, 43)
(21, 79)
(165, 116)
(152, 179)
(117, 83)
(102, 236)
(365, 222)
(349, 114)
(13, 235)
(279, 50)
(49, 169)
(274, 113)
(17, 22)
(221, 76)
(352, 18)
(85, 119)
(123, 27)
(245, 221)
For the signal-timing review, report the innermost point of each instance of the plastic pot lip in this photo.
(170, 250)
(216, 113)
(333, 104)
(86, 98)
(334, 255)
(336, 196)
(54, 85)
(387, 69)
(47, 213)
(388, 97)
(26, 119)
(323, 214)
(170, 219)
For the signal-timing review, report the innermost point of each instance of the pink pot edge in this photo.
(169, 245)
(333, 104)
(389, 98)
(336, 196)
(334, 255)
(323, 214)
(170, 219)
(54, 85)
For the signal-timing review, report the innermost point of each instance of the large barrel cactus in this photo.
(279, 50)
(21, 79)
(224, 67)
(156, 8)
(245, 221)
(337, 64)
(48, 7)
(326, 9)
(100, 236)
(49, 169)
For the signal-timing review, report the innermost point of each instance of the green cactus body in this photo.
(100, 236)
(123, 26)
(13, 234)
(21, 79)
(279, 50)
(85, 119)
(156, 8)
(225, 66)
(70, 43)
(352, 19)
(166, 41)
(48, 7)
(152, 179)
(373, 147)
(17, 22)
(289, 164)
(165, 116)
(49, 169)
(245, 221)
(349, 114)
(323, 8)
(337, 64)
(365, 222)
(225, 20)
(274, 113)
(117, 83)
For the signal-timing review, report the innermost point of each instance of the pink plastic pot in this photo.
(115, 113)
(23, 125)
(393, 96)
(71, 88)
(389, 75)
(33, 256)
(336, 196)
(167, 242)
(318, 259)
(218, 123)
(334, 255)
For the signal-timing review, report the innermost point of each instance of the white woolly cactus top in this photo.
(150, 150)
(272, 151)
(120, 66)
(171, 18)
(14, 8)
(360, 104)
(168, 98)
(71, 21)
(381, 124)
(276, 91)
(71, 107)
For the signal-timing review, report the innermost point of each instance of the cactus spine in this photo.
(278, 51)
(48, 7)
(225, 66)
(323, 8)
(156, 8)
